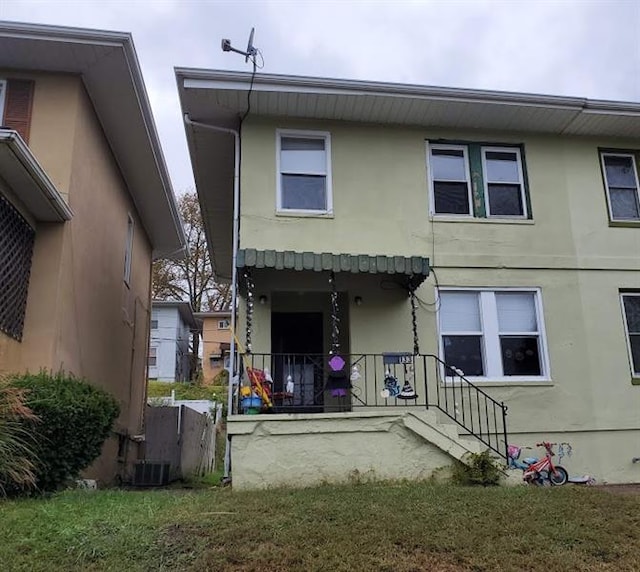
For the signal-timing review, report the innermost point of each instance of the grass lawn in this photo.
(378, 527)
(187, 391)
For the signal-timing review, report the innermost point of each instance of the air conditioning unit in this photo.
(151, 473)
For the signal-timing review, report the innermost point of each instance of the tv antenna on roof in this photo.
(251, 50)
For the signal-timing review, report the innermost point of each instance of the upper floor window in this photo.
(154, 324)
(631, 307)
(224, 324)
(477, 181)
(495, 335)
(621, 183)
(450, 179)
(304, 172)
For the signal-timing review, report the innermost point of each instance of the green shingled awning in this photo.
(415, 266)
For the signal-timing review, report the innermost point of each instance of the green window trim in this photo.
(478, 193)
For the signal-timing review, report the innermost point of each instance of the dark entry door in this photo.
(297, 342)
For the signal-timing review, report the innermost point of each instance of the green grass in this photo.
(187, 391)
(374, 527)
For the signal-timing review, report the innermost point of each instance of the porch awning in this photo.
(410, 266)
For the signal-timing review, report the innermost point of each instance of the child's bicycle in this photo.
(536, 471)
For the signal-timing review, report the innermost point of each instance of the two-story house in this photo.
(462, 251)
(172, 324)
(85, 206)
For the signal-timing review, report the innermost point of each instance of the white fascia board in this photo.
(228, 80)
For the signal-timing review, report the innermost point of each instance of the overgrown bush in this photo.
(17, 455)
(75, 420)
(480, 469)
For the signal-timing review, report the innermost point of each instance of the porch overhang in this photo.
(20, 170)
(414, 268)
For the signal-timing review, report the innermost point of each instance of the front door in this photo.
(297, 345)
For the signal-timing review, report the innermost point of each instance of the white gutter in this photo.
(22, 153)
(234, 271)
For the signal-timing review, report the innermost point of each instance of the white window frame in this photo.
(153, 349)
(634, 374)
(224, 324)
(467, 171)
(128, 251)
(631, 156)
(301, 134)
(486, 182)
(490, 346)
(3, 91)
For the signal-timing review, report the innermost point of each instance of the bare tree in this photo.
(191, 279)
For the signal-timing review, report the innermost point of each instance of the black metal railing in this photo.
(308, 383)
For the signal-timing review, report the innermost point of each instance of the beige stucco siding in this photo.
(81, 317)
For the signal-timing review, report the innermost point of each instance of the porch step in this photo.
(445, 436)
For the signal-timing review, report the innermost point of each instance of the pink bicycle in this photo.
(539, 471)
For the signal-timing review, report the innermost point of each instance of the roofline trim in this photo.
(221, 79)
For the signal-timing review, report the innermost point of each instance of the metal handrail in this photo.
(469, 406)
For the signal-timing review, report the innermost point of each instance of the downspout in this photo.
(234, 272)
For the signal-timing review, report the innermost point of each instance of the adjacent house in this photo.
(171, 326)
(216, 343)
(85, 206)
(442, 270)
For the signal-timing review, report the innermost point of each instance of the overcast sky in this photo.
(565, 47)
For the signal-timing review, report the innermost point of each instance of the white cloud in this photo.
(582, 48)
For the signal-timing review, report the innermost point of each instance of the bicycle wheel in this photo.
(560, 477)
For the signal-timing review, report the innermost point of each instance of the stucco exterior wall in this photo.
(81, 317)
(381, 201)
(568, 250)
(307, 450)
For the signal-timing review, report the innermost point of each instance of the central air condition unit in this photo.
(151, 473)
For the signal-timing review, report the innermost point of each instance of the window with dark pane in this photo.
(622, 186)
(450, 181)
(461, 327)
(632, 316)
(303, 173)
(16, 250)
(504, 183)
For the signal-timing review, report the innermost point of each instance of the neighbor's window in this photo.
(478, 181)
(450, 180)
(154, 324)
(631, 305)
(304, 172)
(224, 324)
(153, 357)
(16, 249)
(128, 250)
(493, 334)
(621, 182)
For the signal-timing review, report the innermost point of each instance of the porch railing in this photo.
(304, 383)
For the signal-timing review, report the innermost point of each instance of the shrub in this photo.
(480, 469)
(17, 455)
(75, 420)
